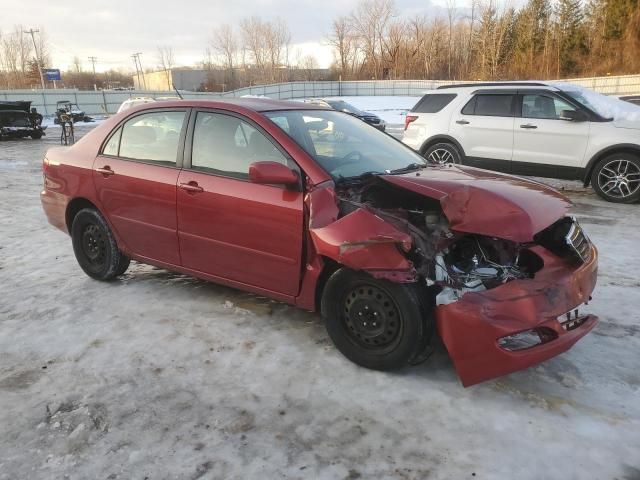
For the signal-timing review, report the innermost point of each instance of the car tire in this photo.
(36, 136)
(95, 247)
(376, 324)
(616, 178)
(442, 154)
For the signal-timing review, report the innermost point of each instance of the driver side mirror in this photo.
(272, 173)
(573, 116)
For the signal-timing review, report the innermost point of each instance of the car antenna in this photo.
(177, 91)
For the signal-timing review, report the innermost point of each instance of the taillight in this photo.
(408, 119)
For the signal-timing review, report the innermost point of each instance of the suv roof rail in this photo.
(493, 84)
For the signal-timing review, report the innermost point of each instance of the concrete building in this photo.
(182, 78)
(193, 79)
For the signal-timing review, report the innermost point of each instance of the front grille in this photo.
(371, 119)
(566, 239)
(578, 242)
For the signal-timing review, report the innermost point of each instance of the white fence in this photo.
(107, 102)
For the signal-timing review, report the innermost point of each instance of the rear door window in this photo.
(152, 137)
(433, 102)
(490, 105)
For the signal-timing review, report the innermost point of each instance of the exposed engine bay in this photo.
(452, 262)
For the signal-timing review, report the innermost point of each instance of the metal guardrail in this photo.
(107, 102)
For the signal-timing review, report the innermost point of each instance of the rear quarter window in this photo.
(433, 102)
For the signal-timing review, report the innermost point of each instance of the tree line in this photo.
(487, 40)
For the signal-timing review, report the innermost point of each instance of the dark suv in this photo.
(342, 106)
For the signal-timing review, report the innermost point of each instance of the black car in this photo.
(19, 120)
(635, 99)
(342, 106)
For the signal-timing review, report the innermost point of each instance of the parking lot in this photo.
(158, 375)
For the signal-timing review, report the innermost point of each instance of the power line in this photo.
(32, 32)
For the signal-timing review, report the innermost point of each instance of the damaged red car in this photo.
(315, 208)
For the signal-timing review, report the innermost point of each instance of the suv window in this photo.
(433, 102)
(541, 105)
(226, 145)
(490, 105)
(151, 137)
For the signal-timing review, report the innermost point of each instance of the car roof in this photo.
(255, 104)
(494, 85)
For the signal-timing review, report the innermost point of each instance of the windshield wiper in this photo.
(357, 178)
(408, 168)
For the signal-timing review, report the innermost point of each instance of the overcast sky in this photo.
(113, 29)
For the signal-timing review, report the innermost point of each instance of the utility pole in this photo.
(144, 80)
(135, 62)
(33, 39)
(93, 61)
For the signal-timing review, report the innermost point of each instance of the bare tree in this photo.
(166, 60)
(225, 44)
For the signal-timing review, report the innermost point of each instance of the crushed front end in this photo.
(508, 269)
(520, 322)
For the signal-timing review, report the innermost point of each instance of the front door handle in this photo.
(191, 187)
(106, 171)
(528, 126)
(462, 122)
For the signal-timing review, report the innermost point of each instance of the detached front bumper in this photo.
(472, 326)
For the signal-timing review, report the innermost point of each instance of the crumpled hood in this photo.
(487, 203)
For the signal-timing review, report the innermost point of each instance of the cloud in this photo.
(113, 29)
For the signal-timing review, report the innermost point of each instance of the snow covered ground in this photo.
(162, 376)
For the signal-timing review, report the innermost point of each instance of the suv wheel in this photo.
(443, 153)
(616, 178)
(376, 324)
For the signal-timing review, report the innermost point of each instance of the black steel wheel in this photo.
(372, 318)
(95, 246)
(377, 324)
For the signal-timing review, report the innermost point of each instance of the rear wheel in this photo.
(375, 323)
(443, 153)
(616, 178)
(95, 246)
(36, 135)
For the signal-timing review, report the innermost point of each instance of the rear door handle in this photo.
(106, 171)
(191, 187)
(462, 122)
(528, 126)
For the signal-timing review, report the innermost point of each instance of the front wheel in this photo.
(616, 178)
(442, 154)
(95, 246)
(376, 324)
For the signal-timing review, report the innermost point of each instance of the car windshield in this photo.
(344, 146)
(608, 107)
(343, 106)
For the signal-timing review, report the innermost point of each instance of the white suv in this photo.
(532, 128)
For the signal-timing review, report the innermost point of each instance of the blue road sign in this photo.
(52, 74)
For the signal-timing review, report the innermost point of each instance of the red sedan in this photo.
(315, 208)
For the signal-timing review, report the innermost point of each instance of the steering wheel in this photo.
(351, 157)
